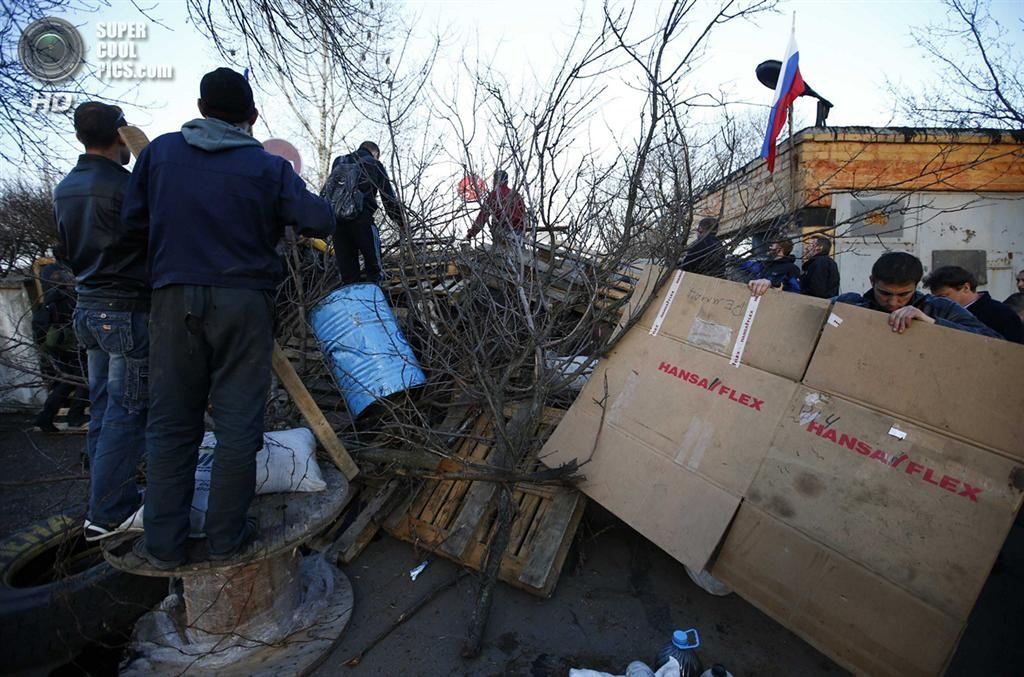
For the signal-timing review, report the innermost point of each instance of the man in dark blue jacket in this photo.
(706, 256)
(894, 279)
(359, 234)
(779, 271)
(959, 284)
(110, 320)
(215, 205)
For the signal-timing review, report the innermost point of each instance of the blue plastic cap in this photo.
(686, 639)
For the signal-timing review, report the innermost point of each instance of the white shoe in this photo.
(95, 532)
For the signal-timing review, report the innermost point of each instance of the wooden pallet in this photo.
(456, 519)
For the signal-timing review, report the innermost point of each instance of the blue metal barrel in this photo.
(359, 333)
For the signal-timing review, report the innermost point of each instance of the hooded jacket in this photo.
(215, 205)
(946, 313)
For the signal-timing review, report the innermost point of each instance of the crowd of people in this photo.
(954, 300)
(175, 265)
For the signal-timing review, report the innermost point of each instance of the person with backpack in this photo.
(352, 190)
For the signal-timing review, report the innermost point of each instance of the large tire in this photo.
(57, 594)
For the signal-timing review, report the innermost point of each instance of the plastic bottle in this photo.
(639, 669)
(717, 670)
(684, 649)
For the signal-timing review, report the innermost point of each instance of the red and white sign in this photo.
(282, 148)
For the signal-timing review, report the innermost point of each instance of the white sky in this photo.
(847, 51)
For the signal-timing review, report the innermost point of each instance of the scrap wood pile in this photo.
(505, 340)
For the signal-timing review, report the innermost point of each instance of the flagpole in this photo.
(792, 155)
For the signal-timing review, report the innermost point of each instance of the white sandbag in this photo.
(287, 462)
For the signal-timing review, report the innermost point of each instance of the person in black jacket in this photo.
(52, 319)
(1016, 302)
(359, 235)
(960, 285)
(706, 256)
(111, 316)
(821, 274)
(894, 279)
(779, 271)
(215, 205)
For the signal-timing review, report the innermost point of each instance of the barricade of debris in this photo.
(495, 344)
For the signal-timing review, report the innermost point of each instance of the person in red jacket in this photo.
(506, 210)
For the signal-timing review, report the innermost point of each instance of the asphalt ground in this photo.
(618, 599)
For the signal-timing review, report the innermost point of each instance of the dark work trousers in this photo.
(207, 344)
(355, 237)
(64, 365)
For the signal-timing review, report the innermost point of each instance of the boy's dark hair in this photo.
(500, 177)
(370, 146)
(1015, 301)
(96, 124)
(708, 223)
(897, 268)
(786, 245)
(824, 243)
(953, 277)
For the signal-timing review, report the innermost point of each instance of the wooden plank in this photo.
(437, 499)
(421, 497)
(553, 540)
(400, 514)
(477, 503)
(528, 505)
(312, 414)
(358, 535)
(450, 508)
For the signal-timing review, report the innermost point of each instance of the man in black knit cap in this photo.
(214, 204)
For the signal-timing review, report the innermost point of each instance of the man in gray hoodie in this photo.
(214, 204)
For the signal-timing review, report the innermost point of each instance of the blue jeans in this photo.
(117, 343)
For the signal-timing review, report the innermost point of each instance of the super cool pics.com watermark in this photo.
(52, 50)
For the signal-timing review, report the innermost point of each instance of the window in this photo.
(875, 217)
(974, 260)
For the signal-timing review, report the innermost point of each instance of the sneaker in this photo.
(140, 550)
(46, 425)
(77, 419)
(97, 532)
(250, 534)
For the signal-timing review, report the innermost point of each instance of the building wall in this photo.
(19, 359)
(923, 223)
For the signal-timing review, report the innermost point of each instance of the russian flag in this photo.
(789, 86)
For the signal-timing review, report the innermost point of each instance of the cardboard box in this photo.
(926, 512)
(672, 437)
(712, 315)
(868, 502)
(957, 382)
(864, 622)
